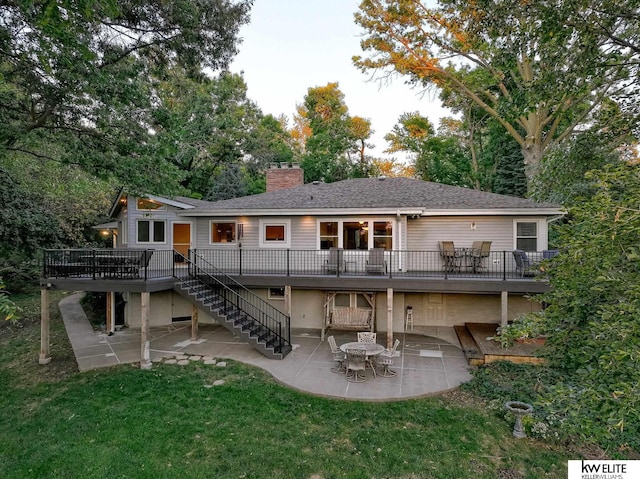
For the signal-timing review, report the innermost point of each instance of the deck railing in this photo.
(121, 263)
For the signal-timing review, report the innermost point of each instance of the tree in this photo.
(77, 73)
(593, 310)
(334, 134)
(202, 123)
(230, 182)
(541, 77)
(439, 158)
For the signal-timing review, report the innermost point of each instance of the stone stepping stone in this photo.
(221, 364)
(171, 361)
(211, 362)
(218, 382)
(195, 358)
(182, 356)
(183, 362)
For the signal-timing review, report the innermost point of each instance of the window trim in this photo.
(220, 243)
(368, 221)
(540, 232)
(123, 230)
(276, 297)
(275, 244)
(164, 222)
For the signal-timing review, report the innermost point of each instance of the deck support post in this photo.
(287, 300)
(45, 327)
(145, 353)
(111, 313)
(389, 318)
(194, 323)
(504, 302)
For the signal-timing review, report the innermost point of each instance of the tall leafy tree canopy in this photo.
(332, 135)
(77, 74)
(594, 306)
(544, 72)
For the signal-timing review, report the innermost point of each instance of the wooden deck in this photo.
(480, 350)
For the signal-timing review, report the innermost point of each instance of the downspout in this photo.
(399, 217)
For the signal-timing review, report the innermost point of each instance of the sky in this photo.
(290, 46)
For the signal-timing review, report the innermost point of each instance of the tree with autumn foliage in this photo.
(536, 74)
(331, 136)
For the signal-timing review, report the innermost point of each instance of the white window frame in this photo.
(151, 230)
(232, 243)
(541, 232)
(369, 221)
(124, 234)
(275, 244)
(276, 297)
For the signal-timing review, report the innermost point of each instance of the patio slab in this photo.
(306, 368)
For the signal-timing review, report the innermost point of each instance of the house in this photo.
(355, 254)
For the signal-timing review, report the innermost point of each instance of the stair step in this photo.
(259, 336)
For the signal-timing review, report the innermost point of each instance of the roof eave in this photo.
(496, 212)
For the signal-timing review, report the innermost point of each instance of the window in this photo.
(276, 293)
(151, 231)
(527, 235)
(146, 205)
(355, 234)
(122, 231)
(275, 234)
(382, 234)
(328, 234)
(223, 233)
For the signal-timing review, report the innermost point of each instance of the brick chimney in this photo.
(281, 176)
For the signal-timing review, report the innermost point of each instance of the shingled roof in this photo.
(371, 194)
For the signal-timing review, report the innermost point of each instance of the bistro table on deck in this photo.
(372, 350)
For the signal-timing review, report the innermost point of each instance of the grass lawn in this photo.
(170, 422)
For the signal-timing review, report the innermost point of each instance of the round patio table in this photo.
(371, 349)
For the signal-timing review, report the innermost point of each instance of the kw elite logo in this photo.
(604, 469)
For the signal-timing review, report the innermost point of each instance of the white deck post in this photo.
(194, 323)
(389, 318)
(504, 301)
(45, 327)
(287, 300)
(145, 354)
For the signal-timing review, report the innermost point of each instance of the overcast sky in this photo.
(292, 45)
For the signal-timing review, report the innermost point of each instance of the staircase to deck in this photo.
(246, 315)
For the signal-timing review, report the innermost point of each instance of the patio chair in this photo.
(376, 262)
(450, 255)
(386, 359)
(338, 356)
(524, 266)
(479, 251)
(355, 364)
(335, 263)
(366, 337)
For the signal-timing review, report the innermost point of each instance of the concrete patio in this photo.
(426, 365)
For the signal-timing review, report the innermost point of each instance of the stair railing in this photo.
(238, 296)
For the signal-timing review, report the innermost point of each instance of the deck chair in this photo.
(385, 359)
(366, 337)
(338, 356)
(356, 365)
(524, 266)
(479, 251)
(376, 262)
(450, 255)
(335, 262)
